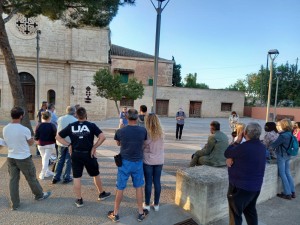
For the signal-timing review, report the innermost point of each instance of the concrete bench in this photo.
(202, 190)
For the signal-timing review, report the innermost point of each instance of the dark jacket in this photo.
(249, 162)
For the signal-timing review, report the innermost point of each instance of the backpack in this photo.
(293, 148)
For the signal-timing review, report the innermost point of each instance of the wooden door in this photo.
(162, 107)
(28, 87)
(195, 109)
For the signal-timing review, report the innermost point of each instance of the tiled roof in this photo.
(121, 51)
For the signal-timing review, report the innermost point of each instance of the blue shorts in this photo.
(133, 169)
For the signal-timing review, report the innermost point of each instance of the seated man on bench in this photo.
(213, 152)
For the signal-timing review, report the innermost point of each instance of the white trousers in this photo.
(46, 152)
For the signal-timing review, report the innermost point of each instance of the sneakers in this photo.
(79, 203)
(142, 216)
(293, 195)
(113, 217)
(281, 195)
(49, 174)
(155, 207)
(104, 195)
(54, 181)
(45, 195)
(41, 176)
(146, 206)
(68, 180)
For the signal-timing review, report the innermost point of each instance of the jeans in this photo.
(241, 201)
(28, 169)
(179, 128)
(63, 159)
(152, 173)
(283, 163)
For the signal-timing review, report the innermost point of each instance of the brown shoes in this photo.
(288, 197)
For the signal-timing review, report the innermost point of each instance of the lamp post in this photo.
(159, 10)
(38, 33)
(276, 93)
(274, 53)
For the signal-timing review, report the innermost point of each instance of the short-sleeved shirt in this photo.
(82, 135)
(131, 139)
(180, 113)
(16, 135)
(123, 117)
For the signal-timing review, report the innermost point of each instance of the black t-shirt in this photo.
(81, 134)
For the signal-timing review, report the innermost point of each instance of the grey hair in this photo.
(132, 114)
(253, 130)
(71, 110)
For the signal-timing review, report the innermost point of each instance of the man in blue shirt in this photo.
(131, 139)
(246, 167)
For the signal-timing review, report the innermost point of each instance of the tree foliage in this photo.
(109, 86)
(73, 13)
(191, 82)
(176, 77)
(255, 86)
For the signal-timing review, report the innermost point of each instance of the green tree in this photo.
(237, 86)
(109, 86)
(176, 77)
(74, 14)
(191, 82)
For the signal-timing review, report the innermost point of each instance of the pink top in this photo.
(296, 133)
(154, 152)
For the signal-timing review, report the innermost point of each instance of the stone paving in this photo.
(60, 207)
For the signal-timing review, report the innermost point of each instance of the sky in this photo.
(221, 41)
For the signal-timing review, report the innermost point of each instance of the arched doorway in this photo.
(28, 87)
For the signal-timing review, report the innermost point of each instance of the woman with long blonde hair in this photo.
(153, 160)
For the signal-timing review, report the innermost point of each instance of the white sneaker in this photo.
(41, 176)
(155, 207)
(146, 206)
(49, 174)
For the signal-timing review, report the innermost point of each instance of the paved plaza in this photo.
(60, 207)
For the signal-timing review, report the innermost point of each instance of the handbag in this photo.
(118, 160)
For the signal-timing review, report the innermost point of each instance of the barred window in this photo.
(127, 102)
(226, 107)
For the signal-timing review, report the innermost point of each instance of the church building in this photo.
(57, 64)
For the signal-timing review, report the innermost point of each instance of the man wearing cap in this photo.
(180, 116)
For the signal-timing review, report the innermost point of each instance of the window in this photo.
(226, 107)
(126, 102)
(124, 77)
(150, 81)
(51, 96)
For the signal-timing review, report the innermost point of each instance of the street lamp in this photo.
(277, 80)
(274, 53)
(159, 10)
(38, 33)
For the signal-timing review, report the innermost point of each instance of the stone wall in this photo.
(181, 97)
(202, 190)
(68, 57)
(144, 69)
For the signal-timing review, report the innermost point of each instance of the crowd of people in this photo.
(141, 140)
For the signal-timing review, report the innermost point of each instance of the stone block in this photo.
(202, 190)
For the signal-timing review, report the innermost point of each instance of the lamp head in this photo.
(273, 52)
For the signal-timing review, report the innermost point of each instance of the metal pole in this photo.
(269, 91)
(157, 36)
(261, 82)
(37, 68)
(276, 97)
